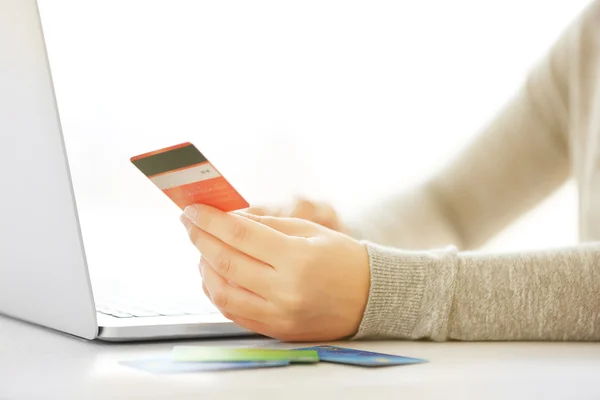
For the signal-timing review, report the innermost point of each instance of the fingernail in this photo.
(186, 222)
(191, 212)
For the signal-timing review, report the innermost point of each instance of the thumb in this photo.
(289, 226)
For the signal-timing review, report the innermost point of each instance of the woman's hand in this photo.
(321, 213)
(286, 278)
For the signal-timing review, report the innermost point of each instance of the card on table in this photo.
(166, 365)
(342, 355)
(187, 177)
(214, 354)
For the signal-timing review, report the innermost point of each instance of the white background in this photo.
(341, 100)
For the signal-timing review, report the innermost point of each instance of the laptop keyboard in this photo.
(122, 309)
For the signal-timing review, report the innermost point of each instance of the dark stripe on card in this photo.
(169, 161)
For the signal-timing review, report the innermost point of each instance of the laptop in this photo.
(44, 277)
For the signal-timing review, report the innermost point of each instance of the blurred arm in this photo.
(447, 294)
(517, 161)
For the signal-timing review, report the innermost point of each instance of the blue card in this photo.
(341, 355)
(168, 366)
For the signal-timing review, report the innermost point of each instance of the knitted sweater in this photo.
(426, 280)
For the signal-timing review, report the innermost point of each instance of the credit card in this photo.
(342, 355)
(187, 177)
(216, 354)
(168, 366)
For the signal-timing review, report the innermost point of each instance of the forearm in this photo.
(516, 161)
(550, 295)
(412, 220)
(443, 295)
(519, 159)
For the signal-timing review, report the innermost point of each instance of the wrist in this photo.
(409, 294)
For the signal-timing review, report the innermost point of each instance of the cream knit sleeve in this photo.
(518, 160)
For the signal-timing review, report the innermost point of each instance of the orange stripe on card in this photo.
(215, 192)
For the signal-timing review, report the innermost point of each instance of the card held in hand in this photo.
(187, 177)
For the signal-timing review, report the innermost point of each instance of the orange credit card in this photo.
(187, 177)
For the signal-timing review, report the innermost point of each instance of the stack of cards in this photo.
(198, 358)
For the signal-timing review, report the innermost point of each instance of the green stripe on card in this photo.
(170, 160)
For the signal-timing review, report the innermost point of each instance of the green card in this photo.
(227, 354)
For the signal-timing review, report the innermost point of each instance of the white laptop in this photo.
(44, 277)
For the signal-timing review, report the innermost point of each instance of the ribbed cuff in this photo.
(402, 303)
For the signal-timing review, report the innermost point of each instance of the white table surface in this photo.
(38, 363)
